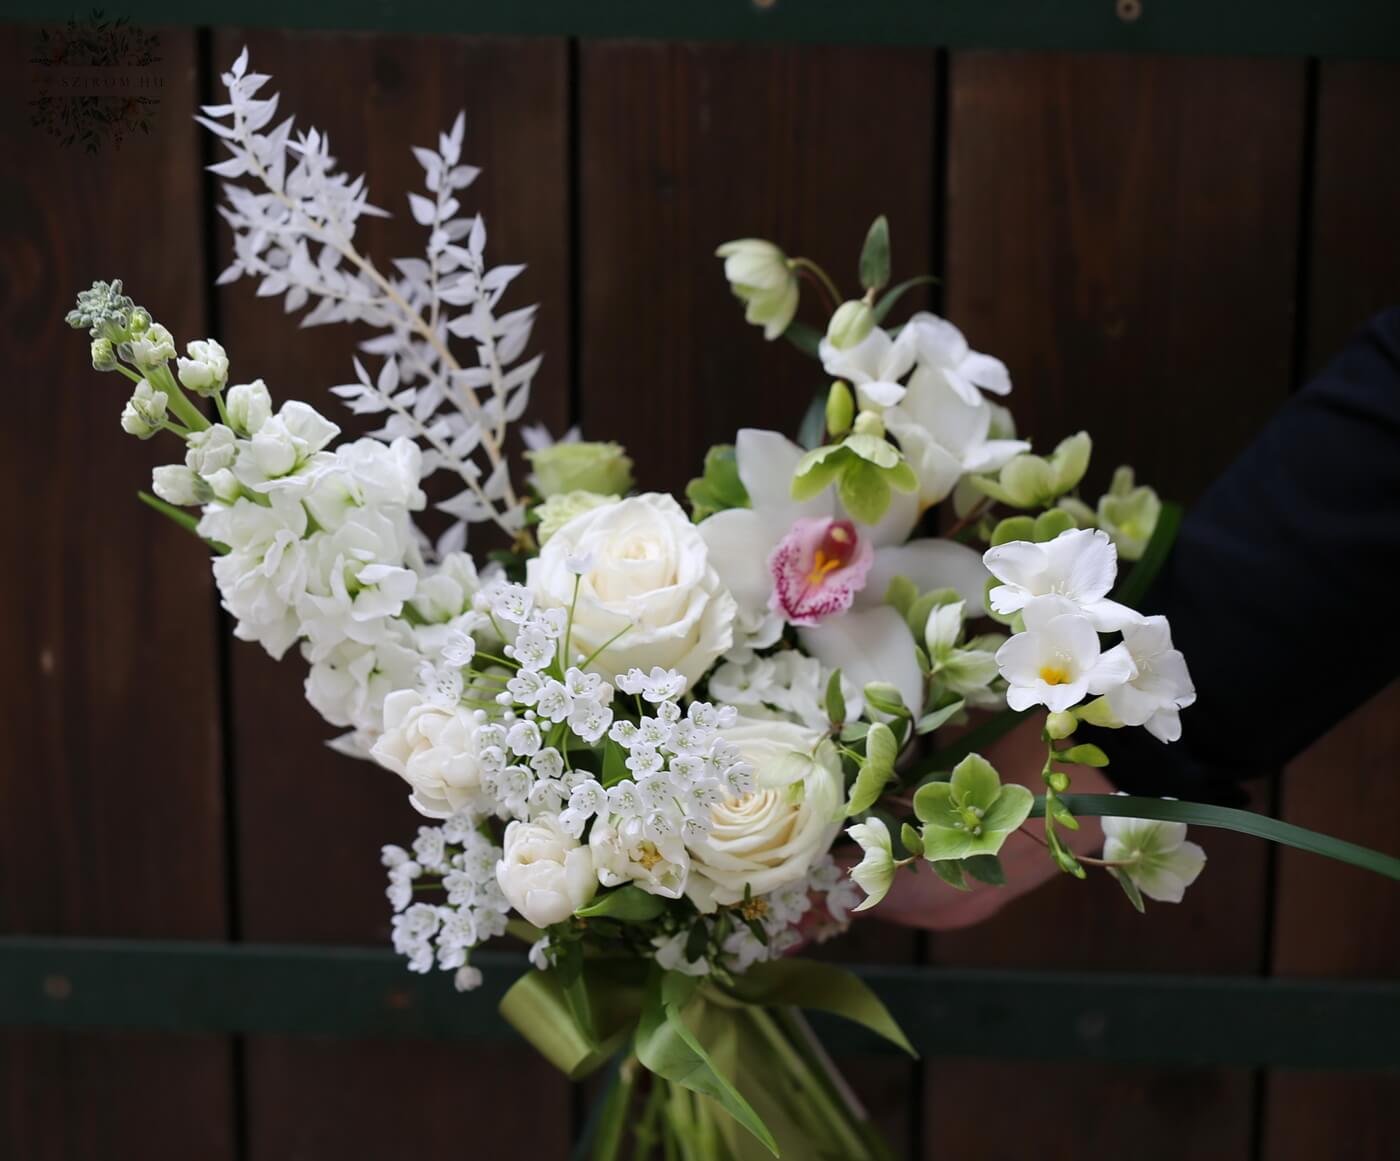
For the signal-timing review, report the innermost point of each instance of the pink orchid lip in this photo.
(818, 568)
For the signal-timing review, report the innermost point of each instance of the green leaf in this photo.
(1130, 889)
(975, 782)
(669, 1049)
(1013, 528)
(813, 426)
(799, 982)
(930, 722)
(806, 339)
(886, 698)
(875, 255)
(911, 840)
(985, 869)
(895, 293)
(880, 746)
(568, 966)
(835, 700)
(629, 904)
(614, 764)
(950, 871)
(1085, 754)
(186, 520)
(854, 731)
(1227, 818)
(1134, 586)
(875, 772)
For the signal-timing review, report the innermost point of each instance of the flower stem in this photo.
(821, 278)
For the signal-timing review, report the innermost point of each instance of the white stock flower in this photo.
(145, 411)
(367, 474)
(1160, 862)
(772, 836)
(434, 749)
(1057, 660)
(1079, 565)
(348, 685)
(544, 872)
(176, 484)
(650, 585)
(153, 346)
(206, 369)
(286, 450)
(873, 366)
(249, 406)
(212, 450)
(446, 593)
(945, 435)
(944, 354)
(1161, 686)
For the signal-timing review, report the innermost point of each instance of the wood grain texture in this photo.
(111, 812)
(1332, 920)
(683, 147)
(1122, 232)
(376, 96)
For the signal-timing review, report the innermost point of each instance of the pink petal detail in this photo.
(805, 589)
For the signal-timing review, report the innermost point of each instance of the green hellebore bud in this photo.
(851, 323)
(559, 509)
(104, 358)
(1061, 725)
(604, 468)
(840, 406)
(870, 423)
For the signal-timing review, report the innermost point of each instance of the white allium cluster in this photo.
(461, 860)
(787, 681)
(294, 231)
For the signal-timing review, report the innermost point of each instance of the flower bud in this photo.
(851, 323)
(249, 406)
(603, 468)
(176, 484)
(206, 369)
(840, 407)
(1058, 781)
(1061, 725)
(145, 411)
(139, 321)
(153, 347)
(870, 423)
(104, 358)
(761, 276)
(212, 450)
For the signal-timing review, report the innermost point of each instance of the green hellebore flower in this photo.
(972, 813)
(864, 468)
(761, 277)
(720, 488)
(850, 324)
(558, 510)
(604, 468)
(875, 871)
(1030, 481)
(1129, 514)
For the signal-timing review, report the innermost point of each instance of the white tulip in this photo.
(545, 873)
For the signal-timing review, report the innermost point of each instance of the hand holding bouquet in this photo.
(637, 733)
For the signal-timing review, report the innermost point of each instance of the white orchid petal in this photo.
(930, 564)
(869, 645)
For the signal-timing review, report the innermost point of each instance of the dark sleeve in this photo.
(1282, 586)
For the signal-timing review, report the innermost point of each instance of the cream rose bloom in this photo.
(546, 873)
(434, 749)
(771, 837)
(646, 570)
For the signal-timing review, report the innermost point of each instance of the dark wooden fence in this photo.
(1160, 247)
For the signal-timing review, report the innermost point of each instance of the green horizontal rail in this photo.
(75, 984)
(1272, 27)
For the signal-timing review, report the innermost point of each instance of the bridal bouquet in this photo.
(639, 732)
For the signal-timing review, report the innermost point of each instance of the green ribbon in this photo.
(538, 1007)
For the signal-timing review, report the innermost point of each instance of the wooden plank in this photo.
(112, 815)
(1328, 916)
(1122, 233)
(683, 147)
(376, 96)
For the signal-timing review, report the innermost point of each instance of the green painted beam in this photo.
(77, 984)
(1250, 27)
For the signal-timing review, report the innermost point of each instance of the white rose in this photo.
(648, 573)
(772, 837)
(546, 873)
(434, 749)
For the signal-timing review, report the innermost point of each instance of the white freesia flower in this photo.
(1160, 862)
(945, 356)
(206, 369)
(650, 596)
(873, 366)
(945, 435)
(875, 871)
(286, 450)
(1079, 565)
(1057, 660)
(434, 749)
(1161, 686)
(544, 872)
(249, 406)
(870, 642)
(774, 835)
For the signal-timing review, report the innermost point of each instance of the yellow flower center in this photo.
(1053, 675)
(753, 908)
(649, 856)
